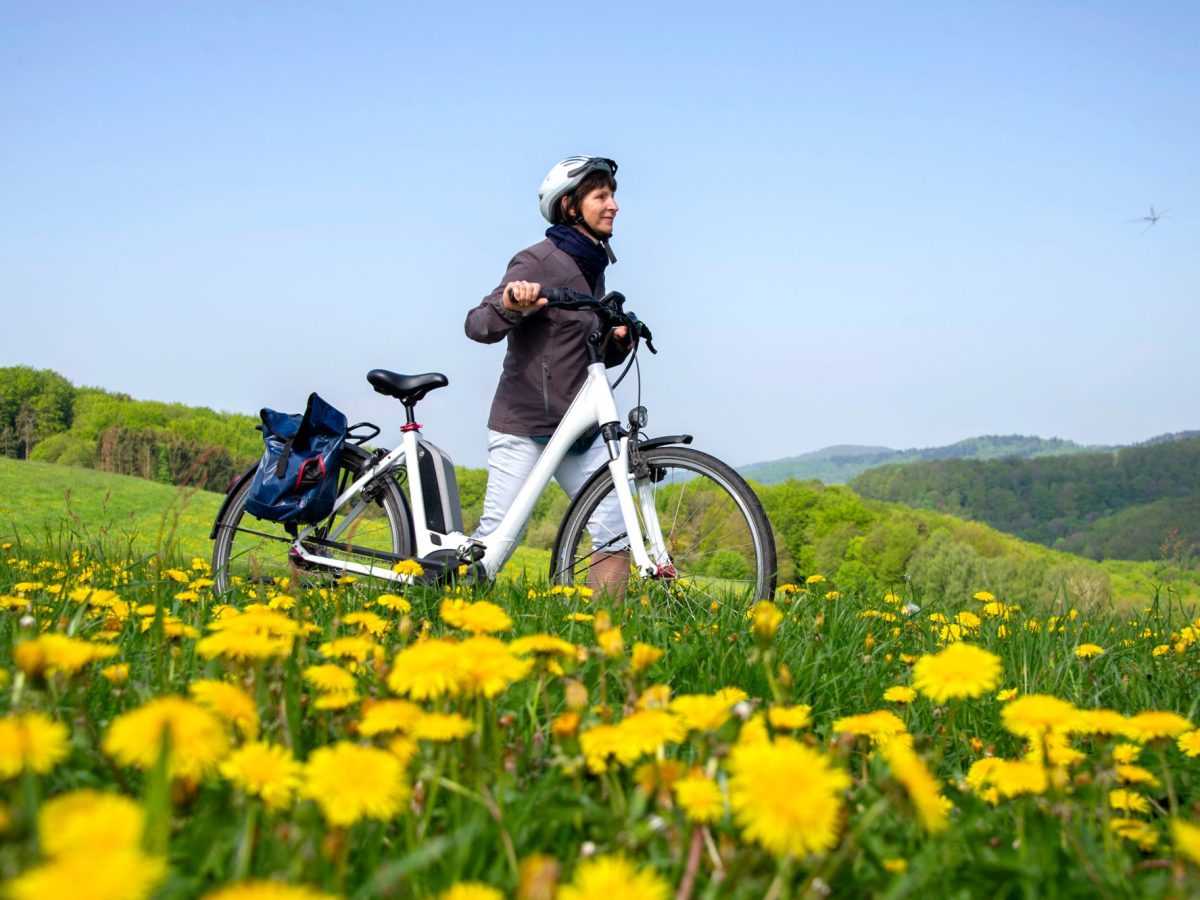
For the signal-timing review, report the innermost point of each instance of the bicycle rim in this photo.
(713, 526)
(251, 553)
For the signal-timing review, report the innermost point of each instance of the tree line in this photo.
(1074, 503)
(44, 416)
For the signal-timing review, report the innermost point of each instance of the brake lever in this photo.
(642, 330)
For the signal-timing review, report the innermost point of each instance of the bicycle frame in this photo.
(593, 405)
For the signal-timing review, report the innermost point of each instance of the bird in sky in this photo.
(1150, 220)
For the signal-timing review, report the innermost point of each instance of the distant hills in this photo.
(1139, 502)
(841, 463)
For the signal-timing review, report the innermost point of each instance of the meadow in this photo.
(331, 738)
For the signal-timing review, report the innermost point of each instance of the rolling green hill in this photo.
(1123, 503)
(840, 464)
(851, 542)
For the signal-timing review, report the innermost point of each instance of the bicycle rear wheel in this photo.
(248, 551)
(713, 526)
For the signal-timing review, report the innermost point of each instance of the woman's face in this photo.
(599, 208)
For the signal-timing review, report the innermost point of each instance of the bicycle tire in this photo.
(713, 524)
(256, 551)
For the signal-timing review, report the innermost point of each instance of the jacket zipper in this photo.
(546, 387)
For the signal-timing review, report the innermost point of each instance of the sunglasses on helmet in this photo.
(591, 165)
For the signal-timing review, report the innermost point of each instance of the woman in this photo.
(546, 362)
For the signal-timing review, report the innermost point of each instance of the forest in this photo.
(1138, 502)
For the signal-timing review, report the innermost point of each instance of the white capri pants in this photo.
(511, 458)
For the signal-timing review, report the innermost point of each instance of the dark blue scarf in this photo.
(588, 255)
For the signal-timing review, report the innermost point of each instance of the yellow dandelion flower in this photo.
(441, 727)
(982, 775)
(968, 620)
(358, 648)
(330, 678)
(565, 726)
(814, 579)
(899, 693)
(1128, 801)
(1126, 753)
(644, 656)
(195, 737)
(31, 741)
(786, 796)
(961, 670)
(656, 696)
(878, 726)
(244, 645)
(1131, 774)
(229, 702)
(471, 890)
(267, 890)
(477, 618)
(388, 716)
(701, 712)
(117, 673)
(1154, 724)
(700, 798)
(89, 821)
(349, 783)
(429, 670)
(1089, 651)
(766, 618)
(1139, 832)
(908, 769)
(266, 771)
(895, 865)
(488, 666)
(984, 596)
(335, 700)
(1186, 838)
(369, 622)
(543, 645)
(1189, 743)
(644, 732)
(1035, 715)
(579, 617)
(1098, 721)
(96, 874)
(611, 642)
(606, 877)
(1014, 777)
(52, 654)
(409, 568)
(790, 718)
(394, 603)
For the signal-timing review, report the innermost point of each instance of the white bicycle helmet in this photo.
(565, 177)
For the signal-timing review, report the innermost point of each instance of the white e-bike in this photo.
(689, 520)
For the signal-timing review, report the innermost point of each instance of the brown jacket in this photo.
(546, 362)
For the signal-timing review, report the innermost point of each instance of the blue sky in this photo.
(871, 223)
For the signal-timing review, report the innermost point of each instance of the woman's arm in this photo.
(502, 310)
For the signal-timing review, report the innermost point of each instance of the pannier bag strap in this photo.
(281, 468)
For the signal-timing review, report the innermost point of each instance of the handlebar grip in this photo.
(565, 296)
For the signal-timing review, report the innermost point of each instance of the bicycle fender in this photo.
(229, 494)
(664, 441)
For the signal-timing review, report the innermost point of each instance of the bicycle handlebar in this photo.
(610, 308)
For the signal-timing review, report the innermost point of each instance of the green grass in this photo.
(47, 505)
(43, 503)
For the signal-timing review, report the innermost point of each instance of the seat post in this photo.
(410, 413)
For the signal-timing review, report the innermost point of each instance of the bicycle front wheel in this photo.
(713, 527)
(251, 552)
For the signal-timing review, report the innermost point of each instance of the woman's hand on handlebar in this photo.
(522, 296)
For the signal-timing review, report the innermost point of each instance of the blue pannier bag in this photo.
(297, 477)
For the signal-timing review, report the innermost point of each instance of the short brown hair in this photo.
(595, 179)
